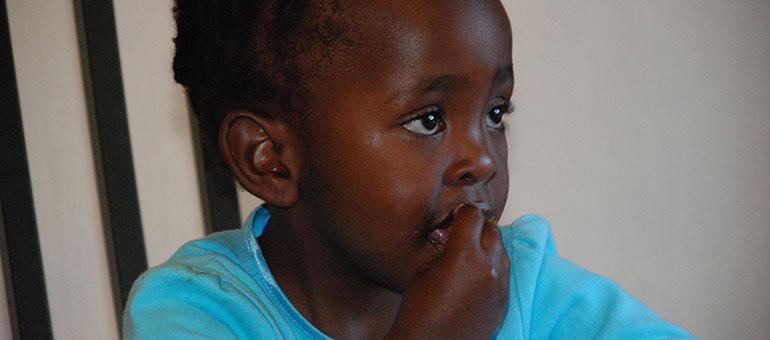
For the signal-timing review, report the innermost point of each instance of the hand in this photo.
(463, 294)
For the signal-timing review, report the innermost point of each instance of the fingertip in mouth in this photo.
(439, 236)
(438, 245)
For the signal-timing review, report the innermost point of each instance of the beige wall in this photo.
(642, 132)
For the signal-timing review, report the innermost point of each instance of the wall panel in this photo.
(61, 168)
(160, 128)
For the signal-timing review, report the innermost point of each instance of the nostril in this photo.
(474, 164)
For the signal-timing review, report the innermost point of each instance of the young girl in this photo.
(373, 131)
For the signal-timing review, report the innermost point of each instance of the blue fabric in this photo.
(220, 287)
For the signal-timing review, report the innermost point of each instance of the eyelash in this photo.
(433, 111)
(504, 109)
(435, 116)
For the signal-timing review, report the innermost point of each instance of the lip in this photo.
(439, 234)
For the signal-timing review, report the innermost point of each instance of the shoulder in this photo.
(529, 243)
(205, 290)
(552, 297)
(529, 236)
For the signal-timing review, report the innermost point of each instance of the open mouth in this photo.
(440, 235)
(438, 238)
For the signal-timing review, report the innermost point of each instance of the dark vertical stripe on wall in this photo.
(19, 244)
(218, 197)
(112, 148)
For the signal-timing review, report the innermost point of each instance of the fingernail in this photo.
(457, 209)
(485, 209)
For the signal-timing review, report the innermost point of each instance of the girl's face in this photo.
(408, 131)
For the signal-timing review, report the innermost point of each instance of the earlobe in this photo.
(258, 151)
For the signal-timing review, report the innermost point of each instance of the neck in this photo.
(322, 285)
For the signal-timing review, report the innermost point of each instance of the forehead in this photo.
(400, 44)
(418, 28)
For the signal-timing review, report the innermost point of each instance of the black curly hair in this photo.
(255, 55)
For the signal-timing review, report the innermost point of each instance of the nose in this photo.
(473, 162)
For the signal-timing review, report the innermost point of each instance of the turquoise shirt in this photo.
(220, 287)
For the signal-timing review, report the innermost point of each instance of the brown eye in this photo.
(495, 116)
(427, 124)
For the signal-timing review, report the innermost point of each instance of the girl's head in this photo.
(364, 123)
(257, 55)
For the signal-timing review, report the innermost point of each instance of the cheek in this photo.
(501, 180)
(408, 179)
(373, 179)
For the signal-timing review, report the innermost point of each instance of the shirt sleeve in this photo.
(572, 303)
(189, 302)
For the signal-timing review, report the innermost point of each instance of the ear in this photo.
(261, 152)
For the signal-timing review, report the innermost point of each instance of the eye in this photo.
(495, 116)
(429, 123)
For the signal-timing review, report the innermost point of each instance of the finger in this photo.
(491, 236)
(492, 244)
(467, 225)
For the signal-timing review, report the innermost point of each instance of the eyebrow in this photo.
(435, 84)
(440, 83)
